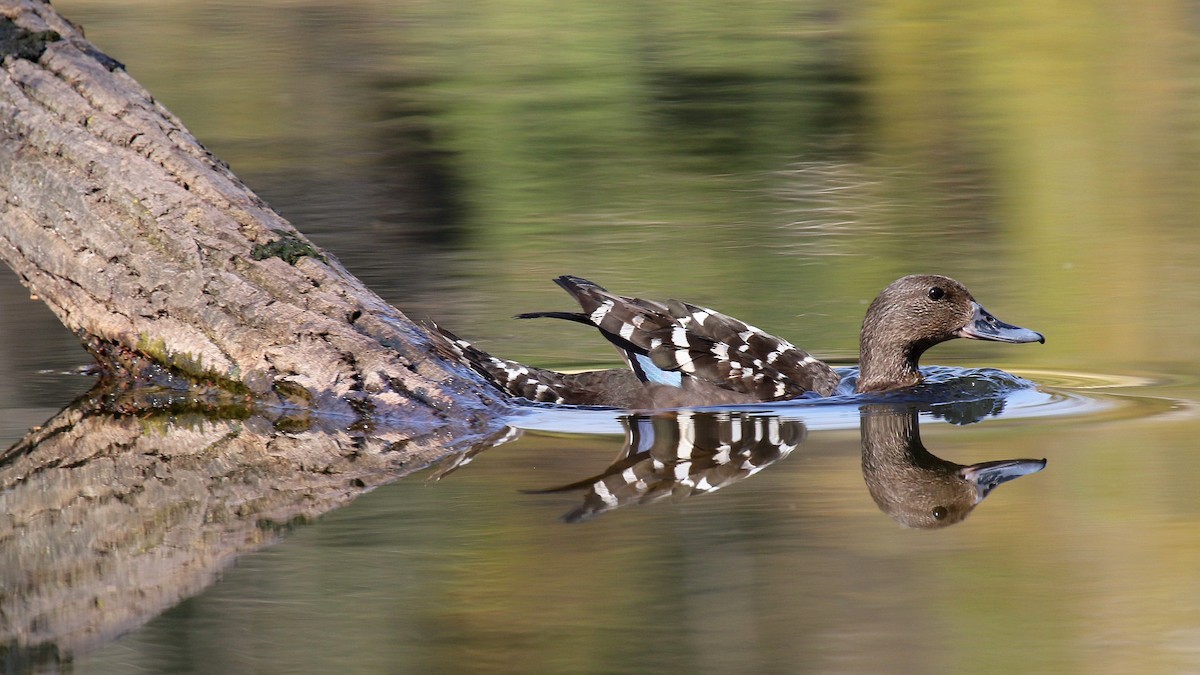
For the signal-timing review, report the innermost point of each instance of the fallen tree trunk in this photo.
(192, 294)
(169, 269)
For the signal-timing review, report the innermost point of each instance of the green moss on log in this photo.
(287, 248)
(22, 44)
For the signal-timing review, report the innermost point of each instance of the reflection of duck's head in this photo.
(916, 488)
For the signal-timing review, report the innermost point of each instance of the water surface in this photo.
(778, 162)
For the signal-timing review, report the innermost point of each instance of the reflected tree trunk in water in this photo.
(109, 520)
(171, 271)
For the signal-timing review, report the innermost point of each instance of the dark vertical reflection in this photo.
(420, 185)
(733, 112)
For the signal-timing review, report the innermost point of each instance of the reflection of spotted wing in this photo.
(664, 341)
(684, 454)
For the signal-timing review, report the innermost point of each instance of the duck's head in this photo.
(915, 313)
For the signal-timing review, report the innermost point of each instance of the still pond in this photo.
(780, 162)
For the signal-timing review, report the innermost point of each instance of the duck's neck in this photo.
(883, 367)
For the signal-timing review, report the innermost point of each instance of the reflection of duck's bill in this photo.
(984, 326)
(987, 475)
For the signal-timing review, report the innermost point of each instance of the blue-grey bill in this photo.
(988, 475)
(984, 326)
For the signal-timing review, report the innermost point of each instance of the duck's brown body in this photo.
(684, 355)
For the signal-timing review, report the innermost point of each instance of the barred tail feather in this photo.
(511, 377)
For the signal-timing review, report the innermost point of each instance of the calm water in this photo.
(778, 161)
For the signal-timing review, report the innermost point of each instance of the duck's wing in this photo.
(665, 342)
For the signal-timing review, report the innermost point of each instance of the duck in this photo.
(678, 354)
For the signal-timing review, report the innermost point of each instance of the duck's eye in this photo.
(940, 512)
(936, 293)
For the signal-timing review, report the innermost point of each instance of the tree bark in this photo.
(180, 280)
(170, 270)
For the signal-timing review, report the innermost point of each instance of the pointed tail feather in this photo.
(511, 377)
(567, 316)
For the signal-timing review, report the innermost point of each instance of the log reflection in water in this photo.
(110, 519)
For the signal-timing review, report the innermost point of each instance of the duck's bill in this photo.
(984, 326)
(988, 475)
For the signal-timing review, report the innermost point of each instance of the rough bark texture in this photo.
(154, 253)
(177, 276)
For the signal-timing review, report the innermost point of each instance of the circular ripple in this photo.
(1080, 380)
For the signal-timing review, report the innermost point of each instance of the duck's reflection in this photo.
(109, 518)
(686, 453)
(917, 488)
(681, 454)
